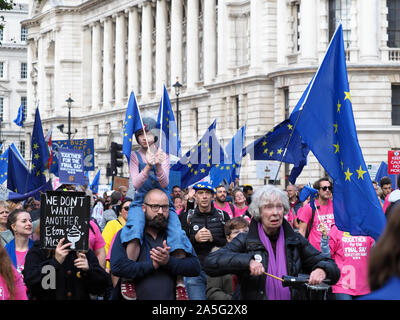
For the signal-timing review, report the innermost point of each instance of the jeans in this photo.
(196, 286)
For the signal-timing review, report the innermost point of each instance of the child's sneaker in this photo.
(128, 290)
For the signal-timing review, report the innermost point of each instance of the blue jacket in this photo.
(10, 247)
(390, 291)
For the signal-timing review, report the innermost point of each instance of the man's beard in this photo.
(221, 199)
(158, 222)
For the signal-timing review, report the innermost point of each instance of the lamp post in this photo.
(177, 86)
(61, 126)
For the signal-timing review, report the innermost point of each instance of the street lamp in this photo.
(61, 126)
(177, 86)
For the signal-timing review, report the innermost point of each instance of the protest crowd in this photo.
(202, 239)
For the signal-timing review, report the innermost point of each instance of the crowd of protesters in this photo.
(201, 243)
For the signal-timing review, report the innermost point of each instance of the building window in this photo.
(24, 33)
(22, 148)
(24, 106)
(2, 34)
(393, 23)
(339, 11)
(24, 70)
(241, 32)
(295, 24)
(1, 108)
(1, 70)
(396, 105)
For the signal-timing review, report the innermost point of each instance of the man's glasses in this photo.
(126, 208)
(156, 207)
(326, 188)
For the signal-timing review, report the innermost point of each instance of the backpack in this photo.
(309, 226)
(191, 213)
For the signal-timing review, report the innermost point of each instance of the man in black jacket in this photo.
(204, 226)
(271, 246)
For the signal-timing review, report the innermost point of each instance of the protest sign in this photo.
(71, 170)
(64, 215)
(85, 145)
(393, 162)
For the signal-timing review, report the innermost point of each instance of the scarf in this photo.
(276, 266)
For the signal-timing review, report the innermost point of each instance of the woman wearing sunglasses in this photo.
(113, 226)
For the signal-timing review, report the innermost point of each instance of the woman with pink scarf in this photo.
(271, 246)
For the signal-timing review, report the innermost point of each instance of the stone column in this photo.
(120, 60)
(108, 63)
(209, 41)
(223, 40)
(147, 29)
(192, 43)
(161, 46)
(176, 40)
(133, 53)
(86, 64)
(281, 31)
(96, 66)
(369, 36)
(256, 31)
(308, 31)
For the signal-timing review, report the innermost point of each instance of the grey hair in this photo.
(264, 195)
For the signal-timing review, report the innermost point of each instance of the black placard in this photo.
(64, 215)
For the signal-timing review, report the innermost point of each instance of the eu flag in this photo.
(273, 144)
(169, 140)
(94, 186)
(133, 123)
(229, 169)
(324, 119)
(4, 166)
(40, 154)
(383, 172)
(19, 120)
(17, 174)
(198, 161)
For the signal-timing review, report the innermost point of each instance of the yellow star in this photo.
(347, 96)
(337, 147)
(290, 126)
(335, 126)
(202, 170)
(338, 106)
(348, 175)
(33, 166)
(206, 144)
(189, 165)
(341, 163)
(126, 134)
(279, 151)
(227, 168)
(35, 146)
(264, 143)
(217, 165)
(222, 168)
(271, 153)
(129, 117)
(361, 173)
(36, 156)
(266, 150)
(234, 166)
(195, 172)
(208, 164)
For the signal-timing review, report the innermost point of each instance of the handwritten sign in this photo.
(85, 145)
(71, 170)
(64, 215)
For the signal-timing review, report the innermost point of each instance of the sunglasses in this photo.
(126, 208)
(326, 188)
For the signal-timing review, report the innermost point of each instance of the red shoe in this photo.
(128, 291)
(181, 292)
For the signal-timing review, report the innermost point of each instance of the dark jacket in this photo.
(68, 286)
(123, 267)
(301, 257)
(213, 221)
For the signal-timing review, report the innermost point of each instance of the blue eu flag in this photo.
(229, 169)
(40, 154)
(17, 174)
(19, 120)
(94, 186)
(198, 161)
(169, 142)
(324, 119)
(4, 166)
(272, 145)
(132, 123)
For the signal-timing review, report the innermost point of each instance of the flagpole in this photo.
(304, 102)
(162, 116)
(141, 122)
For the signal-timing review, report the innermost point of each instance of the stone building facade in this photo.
(240, 61)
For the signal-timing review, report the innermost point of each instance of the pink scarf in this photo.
(276, 266)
